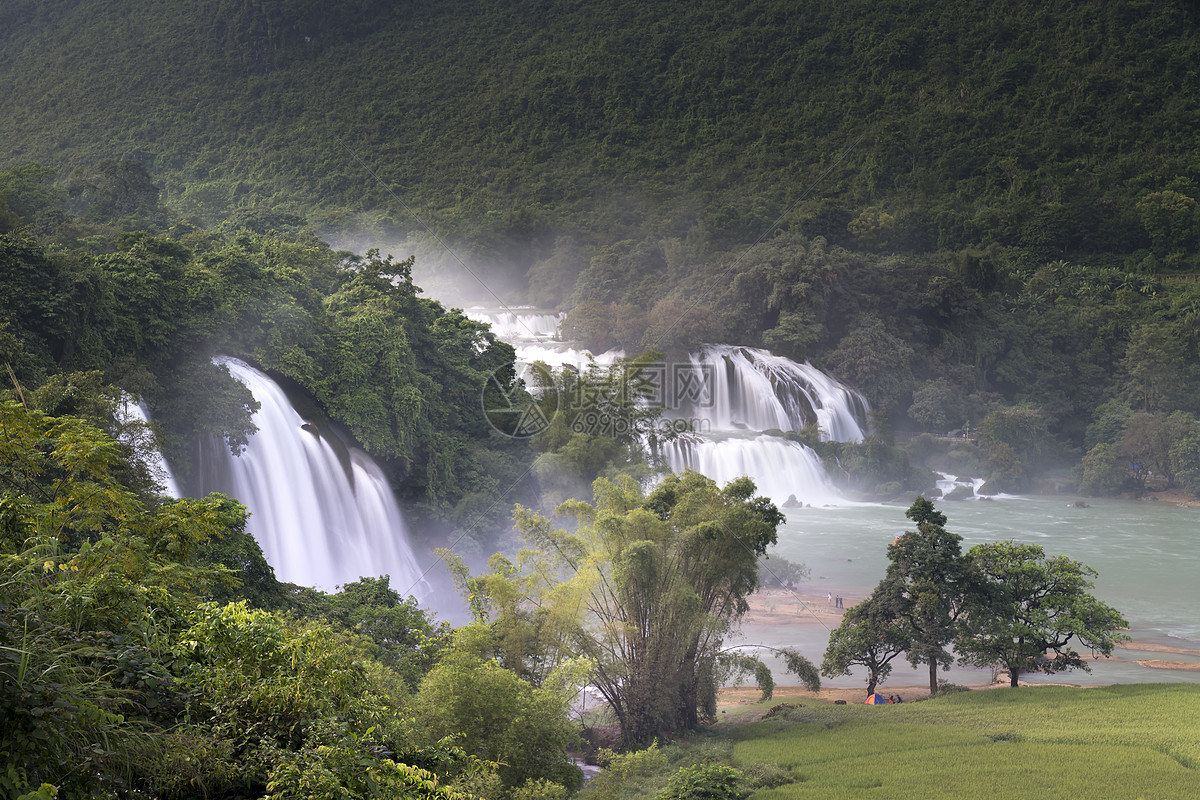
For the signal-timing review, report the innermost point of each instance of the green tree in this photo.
(503, 719)
(1014, 439)
(654, 582)
(874, 361)
(1169, 217)
(938, 405)
(526, 636)
(934, 585)
(1103, 470)
(872, 635)
(1108, 423)
(407, 639)
(1158, 376)
(93, 585)
(1185, 457)
(706, 782)
(1035, 606)
(1148, 441)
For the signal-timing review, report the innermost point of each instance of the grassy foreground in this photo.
(1133, 741)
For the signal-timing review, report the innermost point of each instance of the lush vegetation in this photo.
(118, 677)
(148, 310)
(1007, 743)
(991, 224)
(643, 588)
(1060, 131)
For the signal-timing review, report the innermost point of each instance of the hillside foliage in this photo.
(959, 218)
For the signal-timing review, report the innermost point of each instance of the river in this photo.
(1146, 554)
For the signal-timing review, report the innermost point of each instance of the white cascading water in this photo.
(754, 390)
(324, 516)
(956, 488)
(521, 322)
(534, 334)
(750, 391)
(132, 409)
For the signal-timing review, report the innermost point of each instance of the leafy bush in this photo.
(763, 775)
(705, 782)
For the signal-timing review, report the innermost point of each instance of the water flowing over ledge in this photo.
(322, 512)
(523, 322)
(133, 409)
(750, 397)
(751, 391)
(756, 390)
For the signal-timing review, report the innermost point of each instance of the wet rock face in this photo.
(959, 493)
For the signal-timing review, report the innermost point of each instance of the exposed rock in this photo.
(960, 493)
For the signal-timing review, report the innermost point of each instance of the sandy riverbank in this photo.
(777, 607)
(781, 607)
(1175, 496)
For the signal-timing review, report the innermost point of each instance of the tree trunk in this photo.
(933, 676)
(1014, 677)
(871, 684)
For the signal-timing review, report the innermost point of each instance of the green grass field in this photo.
(1135, 741)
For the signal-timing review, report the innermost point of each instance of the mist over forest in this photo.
(959, 239)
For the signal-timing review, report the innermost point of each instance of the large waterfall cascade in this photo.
(752, 391)
(748, 392)
(323, 513)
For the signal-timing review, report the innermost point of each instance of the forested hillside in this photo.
(147, 314)
(968, 212)
(982, 215)
(989, 122)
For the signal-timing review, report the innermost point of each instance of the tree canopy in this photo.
(1002, 604)
(1036, 610)
(651, 584)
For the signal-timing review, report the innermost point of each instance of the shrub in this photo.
(764, 775)
(706, 782)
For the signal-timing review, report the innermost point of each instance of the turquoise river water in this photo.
(1146, 554)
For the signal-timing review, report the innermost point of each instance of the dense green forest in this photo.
(979, 216)
(973, 124)
(983, 216)
(101, 307)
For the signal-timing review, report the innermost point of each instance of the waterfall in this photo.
(733, 397)
(750, 391)
(534, 334)
(522, 322)
(786, 471)
(322, 513)
(756, 390)
(133, 410)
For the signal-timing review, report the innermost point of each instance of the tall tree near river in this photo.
(655, 581)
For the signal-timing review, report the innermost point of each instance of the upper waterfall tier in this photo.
(323, 513)
(727, 396)
(755, 390)
(522, 323)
